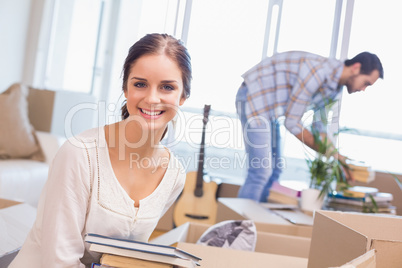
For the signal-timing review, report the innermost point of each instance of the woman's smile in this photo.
(151, 114)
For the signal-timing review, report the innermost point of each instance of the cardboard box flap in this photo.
(367, 260)
(283, 244)
(330, 243)
(187, 232)
(196, 231)
(5, 203)
(369, 224)
(338, 236)
(388, 252)
(297, 230)
(178, 234)
(213, 257)
(265, 218)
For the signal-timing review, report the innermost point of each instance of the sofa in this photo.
(23, 179)
(26, 147)
(32, 128)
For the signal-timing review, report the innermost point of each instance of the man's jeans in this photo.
(262, 144)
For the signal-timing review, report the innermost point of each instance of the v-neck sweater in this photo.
(82, 195)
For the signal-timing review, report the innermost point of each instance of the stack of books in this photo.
(116, 261)
(122, 253)
(360, 191)
(361, 171)
(286, 192)
(361, 199)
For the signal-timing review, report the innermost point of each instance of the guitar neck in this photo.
(200, 172)
(198, 191)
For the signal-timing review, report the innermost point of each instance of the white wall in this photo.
(14, 20)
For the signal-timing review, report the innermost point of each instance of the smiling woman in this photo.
(119, 174)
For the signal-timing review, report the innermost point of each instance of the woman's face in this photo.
(154, 91)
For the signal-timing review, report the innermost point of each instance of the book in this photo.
(126, 262)
(366, 176)
(359, 191)
(357, 165)
(141, 250)
(338, 201)
(362, 209)
(98, 265)
(361, 171)
(380, 198)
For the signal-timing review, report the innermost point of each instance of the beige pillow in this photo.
(17, 135)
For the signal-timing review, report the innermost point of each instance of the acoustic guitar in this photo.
(197, 202)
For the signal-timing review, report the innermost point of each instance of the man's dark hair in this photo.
(369, 62)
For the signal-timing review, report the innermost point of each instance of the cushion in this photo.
(234, 234)
(17, 135)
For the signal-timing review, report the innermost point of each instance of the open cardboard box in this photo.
(16, 219)
(287, 250)
(265, 220)
(339, 237)
(225, 258)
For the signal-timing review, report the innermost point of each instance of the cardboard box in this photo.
(5, 203)
(265, 220)
(213, 257)
(339, 237)
(16, 220)
(367, 260)
(166, 222)
(272, 243)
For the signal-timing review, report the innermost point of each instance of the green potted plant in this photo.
(326, 174)
(325, 168)
(326, 171)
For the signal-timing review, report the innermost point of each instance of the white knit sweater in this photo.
(82, 195)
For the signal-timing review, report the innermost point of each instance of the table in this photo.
(240, 208)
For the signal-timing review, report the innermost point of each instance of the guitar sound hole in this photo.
(197, 217)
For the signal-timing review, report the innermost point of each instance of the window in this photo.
(376, 112)
(306, 25)
(73, 43)
(225, 39)
(302, 27)
(159, 16)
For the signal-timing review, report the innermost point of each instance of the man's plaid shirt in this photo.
(290, 83)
